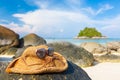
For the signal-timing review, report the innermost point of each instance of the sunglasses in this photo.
(42, 52)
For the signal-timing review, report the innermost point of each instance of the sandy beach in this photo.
(104, 71)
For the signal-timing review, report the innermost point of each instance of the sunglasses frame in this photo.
(44, 52)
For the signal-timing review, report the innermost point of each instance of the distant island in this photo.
(89, 33)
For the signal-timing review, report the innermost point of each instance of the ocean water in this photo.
(5, 59)
(79, 41)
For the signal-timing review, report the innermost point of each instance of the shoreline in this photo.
(84, 37)
(79, 41)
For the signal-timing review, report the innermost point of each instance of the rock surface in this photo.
(19, 52)
(118, 50)
(8, 38)
(93, 47)
(73, 72)
(113, 45)
(108, 53)
(31, 39)
(73, 53)
(107, 58)
(11, 51)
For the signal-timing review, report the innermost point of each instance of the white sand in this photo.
(104, 71)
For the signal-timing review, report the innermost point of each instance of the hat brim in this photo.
(31, 64)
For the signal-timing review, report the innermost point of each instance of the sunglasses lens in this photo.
(50, 51)
(41, 53)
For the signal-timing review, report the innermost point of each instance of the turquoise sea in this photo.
(79, 41)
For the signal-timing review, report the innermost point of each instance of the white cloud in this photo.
(15, 27)
(112, 24)
(50, 21)
(50, 17)
(111, 30)
(74, 3)
(43, 4)
(102, 9)
(109, 27)
(55, 5)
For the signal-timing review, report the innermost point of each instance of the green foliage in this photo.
(89, 32)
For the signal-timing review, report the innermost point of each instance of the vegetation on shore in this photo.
(89, 32)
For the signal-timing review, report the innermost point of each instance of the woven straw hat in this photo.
(30, 63)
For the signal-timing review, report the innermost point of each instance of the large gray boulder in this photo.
(10, 52)
(73, 72)
(28, 40)
(73, 53)
(8, 38)
(93, 47)
(31, 40)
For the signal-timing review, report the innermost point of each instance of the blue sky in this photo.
(60, 18)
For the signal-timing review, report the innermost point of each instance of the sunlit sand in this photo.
(104, 71)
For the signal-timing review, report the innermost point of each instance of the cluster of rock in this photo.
(113, 47)
(71, 52)
(96, 48)
(10, 44)
(93, 47)
(108, 52)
